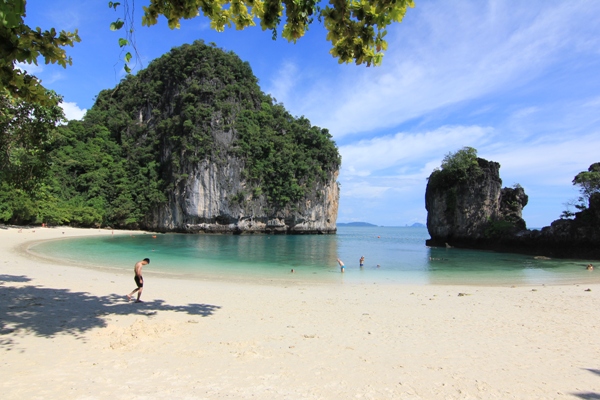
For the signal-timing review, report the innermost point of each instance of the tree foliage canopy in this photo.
(589, 185)
(456, 167)
(26, 130)
(460, 162)
(356, 28)
(588, 182)
(21, 44)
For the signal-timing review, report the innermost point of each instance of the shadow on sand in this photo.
(589, 395)
(45, 312)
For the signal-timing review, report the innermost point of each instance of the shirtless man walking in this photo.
(139, 281)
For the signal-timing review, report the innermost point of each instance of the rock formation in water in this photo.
(477, 213)
(217, 154)
(566, 238)
(473, 210)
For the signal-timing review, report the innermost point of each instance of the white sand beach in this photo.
(68, 332)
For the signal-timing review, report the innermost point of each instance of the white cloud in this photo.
(546, 161)
(69, 18)
(32, 69)
(398, 151)
(39, 72)
(445, 54)
(283, 84)
(54, 77)
(72, 111)
(363, 190)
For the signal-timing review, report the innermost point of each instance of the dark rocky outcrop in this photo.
(477, 213)
(565, 238)
(473, 210)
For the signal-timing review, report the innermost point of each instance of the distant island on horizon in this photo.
(355, 224)
(415, 225)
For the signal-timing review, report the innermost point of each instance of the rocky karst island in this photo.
(467, 207)
(189, 144)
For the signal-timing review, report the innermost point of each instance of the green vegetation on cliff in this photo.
(468, 188)
(588, 181)
(456, 167)
(26, 129)
(143, 138)
(589, 185)
(284, 156)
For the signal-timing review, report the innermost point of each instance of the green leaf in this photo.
(123, 42)
(128, 57)
(11, 13)
(118, 24)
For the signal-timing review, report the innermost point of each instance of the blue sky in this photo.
(517, 80)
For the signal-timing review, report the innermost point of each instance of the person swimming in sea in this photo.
(590, 267)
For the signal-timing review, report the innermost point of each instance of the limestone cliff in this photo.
(474, 210)
(476, 213)
(221, 155)
(204, 202)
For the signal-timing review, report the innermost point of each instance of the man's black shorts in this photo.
(139, 281)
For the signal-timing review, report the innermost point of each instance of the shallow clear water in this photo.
(392, 255)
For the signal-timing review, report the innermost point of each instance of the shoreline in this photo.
(68, 331)
(533, 276)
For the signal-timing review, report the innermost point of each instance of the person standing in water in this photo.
(139, 280)
(342, 268)
(362, 261)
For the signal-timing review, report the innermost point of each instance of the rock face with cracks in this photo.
(203, 204)
(478, 213)
(468, 211)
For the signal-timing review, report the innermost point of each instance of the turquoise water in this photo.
(392, 255)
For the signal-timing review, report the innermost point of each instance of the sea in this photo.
(393, 255)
